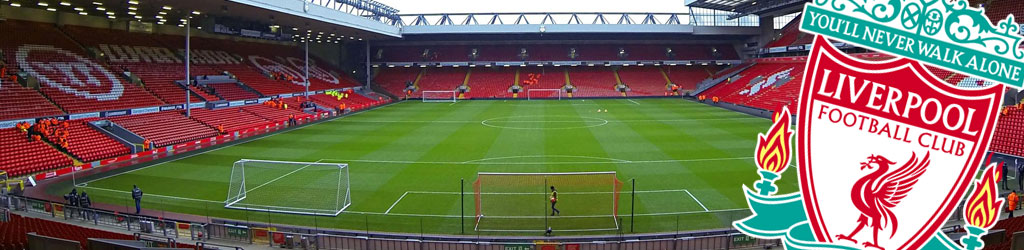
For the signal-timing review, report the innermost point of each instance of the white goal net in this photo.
(439, 96)
(532, 94)
(309, 188)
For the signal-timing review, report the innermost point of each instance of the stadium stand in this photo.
(595, 82)
(393, 80)
(19, 155)
(1009, 135)
(491, 82)
(18, 103)
(103, 93)
(231, 91)
(436, 79)
(1000, 9)
(687, 77)
(235, 119)
(13, 233)
(165, 128)
(643, 81)
(759, 86)
(89, 145)
(550, 78)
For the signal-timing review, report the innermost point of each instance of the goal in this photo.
(309, 188)
(544, 94)
(519, 202)
(439, 96)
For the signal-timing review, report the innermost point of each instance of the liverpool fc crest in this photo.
(887, 152)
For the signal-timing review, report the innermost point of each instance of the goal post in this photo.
(440, 96)
(532, 94)
(519, 202)
(308, 188)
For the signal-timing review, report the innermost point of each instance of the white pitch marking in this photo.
(634, 102)
(396, 202)
(698, 201)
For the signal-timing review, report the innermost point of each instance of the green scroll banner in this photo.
(783, 217)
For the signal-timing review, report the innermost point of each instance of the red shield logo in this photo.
(887, 149)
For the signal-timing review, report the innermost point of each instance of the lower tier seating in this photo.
(89, 145)
(165, 128)
(19, 155)
(13, 234)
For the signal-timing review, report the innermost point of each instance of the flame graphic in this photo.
(773, 149)
(982, 208)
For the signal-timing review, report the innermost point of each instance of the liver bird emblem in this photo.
(878, 192)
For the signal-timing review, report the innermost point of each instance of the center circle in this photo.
(544, 122)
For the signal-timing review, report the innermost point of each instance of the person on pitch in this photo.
(554, 200)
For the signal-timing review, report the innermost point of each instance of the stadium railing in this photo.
(204, 229)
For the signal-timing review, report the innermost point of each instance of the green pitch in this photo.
(689, 161)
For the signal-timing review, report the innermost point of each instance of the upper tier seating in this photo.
(69, 93)
(165, 128)
(89, 145)
(252, 77)
(643, 81)
(491, 82)
(13, 234)
(554, 52)
(159, 79)
(19, 156)
(232, 92)
(18, 102)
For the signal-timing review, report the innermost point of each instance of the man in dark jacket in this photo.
(85, 203)
(137, 196)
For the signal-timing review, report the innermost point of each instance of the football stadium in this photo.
(358, 124)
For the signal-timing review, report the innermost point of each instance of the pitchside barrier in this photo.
(202, 229)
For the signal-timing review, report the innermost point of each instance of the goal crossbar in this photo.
(439, 96)
(530, 94)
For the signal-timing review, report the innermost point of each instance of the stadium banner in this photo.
(249, 33)
(84, 115)
(196, 105)
(148, 110)
(12, 123)
(171, 107)
(286, 95)
(946, 34)
(265, 99)
(236, 103)
(776, 49)
(115, 113)
(566, 63)
(253, 101)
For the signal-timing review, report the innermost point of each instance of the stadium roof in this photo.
(749, 7)
(364, 21)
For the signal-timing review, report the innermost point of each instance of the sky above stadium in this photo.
(486, 6)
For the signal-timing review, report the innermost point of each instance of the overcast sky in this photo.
(484, 6)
